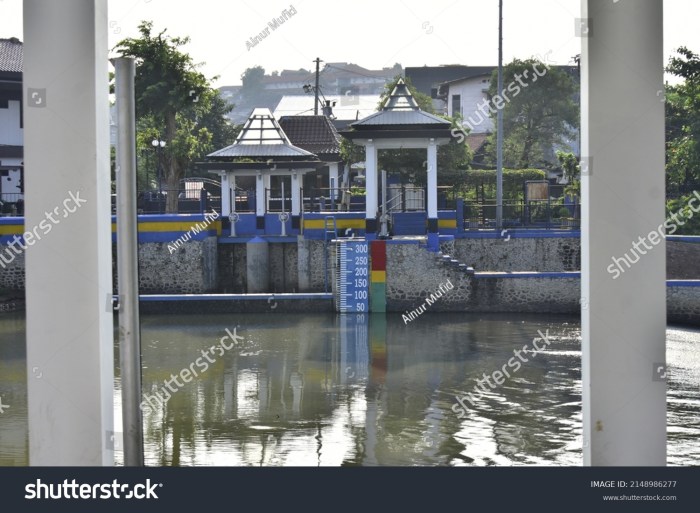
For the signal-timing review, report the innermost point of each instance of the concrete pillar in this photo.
(304, 264)
(433, 236)
(70, 342)
(371, 197)
(258, 265)
(624, 312)
(296, 201)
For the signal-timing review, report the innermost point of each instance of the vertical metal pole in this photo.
(499, 127)
(318, 62)
(127, 258)
(282, 217)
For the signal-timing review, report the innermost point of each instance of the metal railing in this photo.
(326, 199)
(530, 215)
(155, 202)
(11, 204)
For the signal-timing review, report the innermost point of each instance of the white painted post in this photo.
(260, 200)
(296, 195)
(432, 180)
(70, 343)
(225, 194)
(333, 180)
(371, 197)
(624, 316)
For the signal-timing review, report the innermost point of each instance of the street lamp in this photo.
(158, 145)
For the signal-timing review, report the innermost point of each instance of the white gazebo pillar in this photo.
(433, 235)
(371, 197)
(225, 194)
(333, 180)
(260, 203)
(623, 304)
(70, 339)
(296, 201)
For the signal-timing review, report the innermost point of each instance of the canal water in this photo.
(331, 390)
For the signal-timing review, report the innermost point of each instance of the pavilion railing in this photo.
(11, 204)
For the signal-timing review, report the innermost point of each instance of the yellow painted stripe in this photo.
(11, 229)
(378, 277)
(178, 226)
(319, 224)
(447, 223)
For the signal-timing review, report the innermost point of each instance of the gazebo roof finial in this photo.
(400, 99)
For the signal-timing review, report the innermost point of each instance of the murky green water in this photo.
(360, 390)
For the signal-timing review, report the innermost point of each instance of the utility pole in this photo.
(499, 125)
(318, 63)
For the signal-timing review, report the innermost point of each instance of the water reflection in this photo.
(364, 390)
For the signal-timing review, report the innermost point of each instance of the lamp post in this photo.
(158, 145)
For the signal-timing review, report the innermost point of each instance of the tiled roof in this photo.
(11, 55)
(315, 134)
(476, 141)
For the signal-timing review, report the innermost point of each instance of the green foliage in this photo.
(683, 124)
(572, 171)
(251, 79)
(683, 212)
(513, 182)
(175, 103)
(539, 112)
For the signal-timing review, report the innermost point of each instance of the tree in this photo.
(683, 124)
(539, 112)
(572, 172)
(251, 80)
(172, 101)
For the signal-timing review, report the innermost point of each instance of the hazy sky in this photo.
(373, 34)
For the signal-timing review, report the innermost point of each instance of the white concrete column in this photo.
(70, 342)
(623, 304)
(266, 187)
(333, 179)
(296, 195)
(371, 197)
(432, 180)
(260, 206)
(225, 194)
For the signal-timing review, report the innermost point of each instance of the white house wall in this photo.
(10, 132)
(472, 95)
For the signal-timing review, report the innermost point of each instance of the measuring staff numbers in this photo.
(353, 279)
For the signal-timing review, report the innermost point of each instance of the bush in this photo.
(513, 182)
(680, 208)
